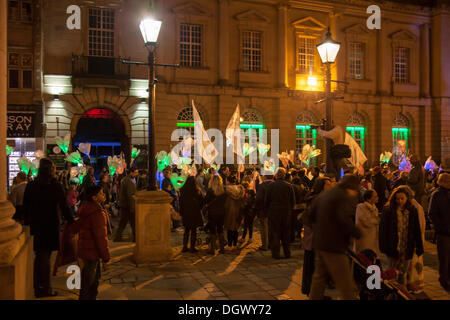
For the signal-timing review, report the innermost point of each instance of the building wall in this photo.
(276, 92)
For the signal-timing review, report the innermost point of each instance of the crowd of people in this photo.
(385, 211)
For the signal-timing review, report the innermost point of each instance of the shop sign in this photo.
(21, 124)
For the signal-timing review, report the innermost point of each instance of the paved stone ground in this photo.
(246, 274)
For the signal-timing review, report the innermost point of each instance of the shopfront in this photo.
(21, 136)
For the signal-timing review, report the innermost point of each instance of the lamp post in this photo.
(150, 31)
(328, 50)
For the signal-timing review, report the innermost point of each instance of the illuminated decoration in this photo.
(116, 164)
(56, 150)
(405, 164)
(312, 81)
(34, 167)
(357, 133)
(74, 157)
(247, 149)
(188, 170)
(285, 157)
(63, 144)
(185, 124)
(85, 148)
(342, 173)
(150, 30)
(308, 152)
(430, 164)
(177, 180)
(57, 84)
(9, 150)
(385, 157)
(233, 132)
(187, 147)
(82, 174)
(163, 160)
(328, 49)
(263, 148)
(216, 167)
(134, 154)
(179, 161)
(99, 113)
(24, 164)
(269, 166)
(252, 126)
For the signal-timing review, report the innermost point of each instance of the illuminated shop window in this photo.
(400, 130)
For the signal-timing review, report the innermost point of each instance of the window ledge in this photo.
(257, 72)
(194, 68)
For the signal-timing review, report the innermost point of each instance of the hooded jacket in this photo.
(233, 206)
(93, 241)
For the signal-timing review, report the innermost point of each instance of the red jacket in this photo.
(93, 240)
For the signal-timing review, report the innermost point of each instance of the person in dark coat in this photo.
(439, 211)
(88, 181)
(332, 216)
(400, 235)
(380, 185)
(261, 212)
(127, 204)
(248, 212)
(280, 201)
(215, 208)
(42, 199)
(191, 203)
(416, 179)
(93, 244)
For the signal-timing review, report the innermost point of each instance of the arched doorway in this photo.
(105, 131)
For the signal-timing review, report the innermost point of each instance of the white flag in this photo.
(358, 157)
(202, 142)
(233, 132)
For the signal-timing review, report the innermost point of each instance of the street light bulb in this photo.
(328, 49)
(150, 30)
(312, 81)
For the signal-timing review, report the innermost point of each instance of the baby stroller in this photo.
(390, 289)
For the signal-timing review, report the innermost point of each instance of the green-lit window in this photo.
(250, 128)
(358, 133)
(305, 135)
(399, 134)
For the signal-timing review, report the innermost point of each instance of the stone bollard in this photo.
(153, 225)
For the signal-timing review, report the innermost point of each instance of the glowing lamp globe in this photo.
(150, 30)
(328, 49)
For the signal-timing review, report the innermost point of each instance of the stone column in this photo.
(153, 224)
(425, 60)
(224, 43)
(282, 46)
(15, 246)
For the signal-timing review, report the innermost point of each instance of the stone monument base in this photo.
(153, 225)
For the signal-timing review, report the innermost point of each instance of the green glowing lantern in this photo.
(177, 181)
(9, 150)
(63, 144)
(134, 153)
(247, 149)
(163, 160)
(24, 164)
(75, 157)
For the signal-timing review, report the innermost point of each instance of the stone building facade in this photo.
(261, 54)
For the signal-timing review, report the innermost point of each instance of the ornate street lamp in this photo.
(150, 31)
(328, 50)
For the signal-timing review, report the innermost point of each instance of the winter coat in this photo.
(439, 211)
(367, 220)
(260, 209)
(41, 203)
(233, 206)
(106, 187)
(93, 240)
(389, 233)
(279, 198)
(249, 204)
(127, 190)
(17, 193)
(332, 216)
(190, 209)
(215, 205)
(380, 185)
(416, 181)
